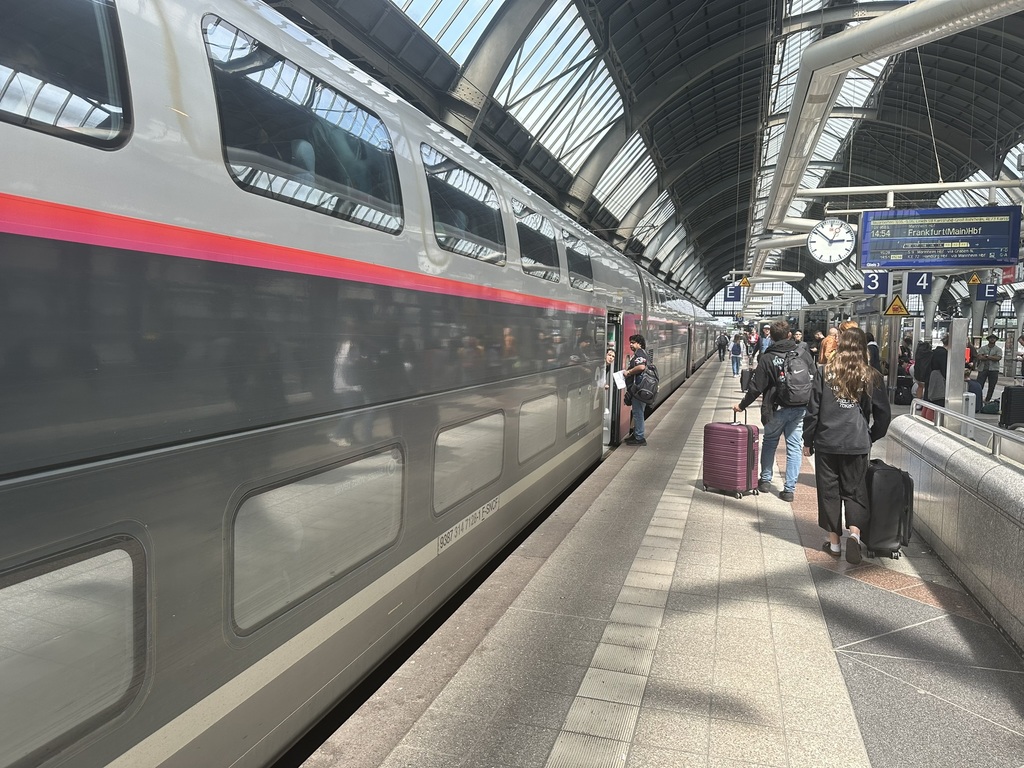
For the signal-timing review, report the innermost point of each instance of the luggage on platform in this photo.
(903, 396)
(1011, 407)
(904, 380)
(731, 457)
(891, 509)
(745, 375)
(991, 407)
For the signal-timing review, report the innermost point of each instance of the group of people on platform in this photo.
(846, 410)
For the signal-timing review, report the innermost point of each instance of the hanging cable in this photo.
(928, 112)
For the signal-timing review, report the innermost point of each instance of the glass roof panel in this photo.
(660, 212)
(626, 177)
(558, 87)
(455, 25)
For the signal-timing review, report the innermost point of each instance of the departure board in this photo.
(940, 238)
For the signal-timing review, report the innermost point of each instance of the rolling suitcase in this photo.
(903, 396)
(891, 509)
(1011, 407)
(731, 457)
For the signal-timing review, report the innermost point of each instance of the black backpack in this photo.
(645, 386)
(795, 380)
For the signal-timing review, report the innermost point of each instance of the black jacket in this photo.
(766, 376)
(834, 425)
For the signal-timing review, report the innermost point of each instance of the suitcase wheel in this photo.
(755, 492)
(738, 495)
(705, 486)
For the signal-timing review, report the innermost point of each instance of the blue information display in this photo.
(940, 238)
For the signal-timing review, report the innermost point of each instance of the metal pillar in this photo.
(931, 303)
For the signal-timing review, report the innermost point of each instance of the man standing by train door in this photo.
(637, 365)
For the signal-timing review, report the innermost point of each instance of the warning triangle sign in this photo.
(744, 283)
(975, 280)
(896, 307)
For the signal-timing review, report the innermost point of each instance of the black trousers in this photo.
(841, 478)
(991, 376)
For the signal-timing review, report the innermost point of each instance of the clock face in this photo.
(831, 241)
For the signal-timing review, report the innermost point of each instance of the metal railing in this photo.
(967, 424)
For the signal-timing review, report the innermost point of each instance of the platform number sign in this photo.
(919, 282)
(988, 292)
(876, 283)
(732, 293)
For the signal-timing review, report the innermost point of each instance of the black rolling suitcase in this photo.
(891, 508)
(1011, 407)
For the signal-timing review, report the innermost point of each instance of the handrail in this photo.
(940, 416)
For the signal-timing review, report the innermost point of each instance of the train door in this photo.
(613, 397)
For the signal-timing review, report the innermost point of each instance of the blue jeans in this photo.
(638, 419)
(736, 364)
(791, 422)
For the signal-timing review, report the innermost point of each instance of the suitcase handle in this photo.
(736, 417)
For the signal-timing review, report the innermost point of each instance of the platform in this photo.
(650, 623)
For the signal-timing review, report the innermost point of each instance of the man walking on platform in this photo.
(783, 380)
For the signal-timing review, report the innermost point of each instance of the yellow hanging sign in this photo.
(744, 283)
(897, 307)
(975, 280)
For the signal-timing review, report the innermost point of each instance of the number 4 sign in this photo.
(919, 282)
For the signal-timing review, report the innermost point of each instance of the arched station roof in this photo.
(662, 124)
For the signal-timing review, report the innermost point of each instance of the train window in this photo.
(537, 250)
(72, 647)
(62, 70)
(580, 404)
(290, 136)
(292, 540)
(537, 421)
(581, 273)
(467, 217)
(467, 458)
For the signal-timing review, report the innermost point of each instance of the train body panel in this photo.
(263, 410)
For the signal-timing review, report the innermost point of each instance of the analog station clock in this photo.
(831, 241)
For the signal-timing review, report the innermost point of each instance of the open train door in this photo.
(613, 408)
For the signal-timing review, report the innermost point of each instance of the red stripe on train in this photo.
(55, 221)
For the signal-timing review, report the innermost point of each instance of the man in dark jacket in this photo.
(776, 417)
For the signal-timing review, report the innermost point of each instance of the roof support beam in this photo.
(824, 66)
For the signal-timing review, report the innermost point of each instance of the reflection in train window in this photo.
(579, 405)
(581, 274)
(290, 136)
(467, 458)
(292, 540)
(537, 421)
(467, 217)
(72, 647)
(62, 70)
(537, 249)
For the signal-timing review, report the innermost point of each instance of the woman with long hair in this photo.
(848, 411)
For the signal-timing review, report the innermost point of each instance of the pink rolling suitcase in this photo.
(731, 457)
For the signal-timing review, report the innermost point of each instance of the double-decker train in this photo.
(283, 364)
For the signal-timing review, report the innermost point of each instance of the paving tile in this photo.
(747, 742)
(951, 600)
(577, 750)
(606, 719)
(645, 756)
(747, 705)
(837, 749)
(672, 730)
(678, 696)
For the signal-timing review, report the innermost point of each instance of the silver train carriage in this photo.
(283, 364)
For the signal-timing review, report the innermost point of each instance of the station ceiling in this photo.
(661, 124)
